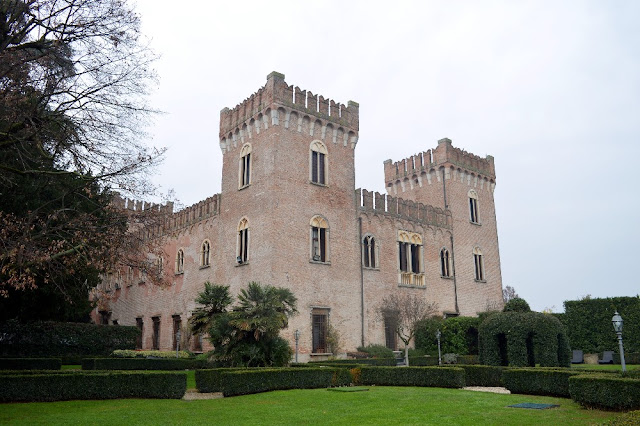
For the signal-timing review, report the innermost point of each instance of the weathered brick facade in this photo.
(271, 185)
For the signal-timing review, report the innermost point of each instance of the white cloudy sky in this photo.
(551, 89)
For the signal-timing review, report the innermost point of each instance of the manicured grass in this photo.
(380, 405)
(615, 367)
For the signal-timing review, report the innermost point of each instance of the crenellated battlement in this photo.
(426, 168)
(140, 205)
(397, 207)
(275, 103)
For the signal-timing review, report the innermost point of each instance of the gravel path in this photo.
(487, 389)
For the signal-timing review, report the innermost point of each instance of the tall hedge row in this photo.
(92, 385)
(142, 364)
(55, 339)
(30, 363)
(589, 325)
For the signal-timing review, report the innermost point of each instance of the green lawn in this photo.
(379, 405)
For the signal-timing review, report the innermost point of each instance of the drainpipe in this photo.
(361, 282)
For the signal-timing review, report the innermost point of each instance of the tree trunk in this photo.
(406, 355)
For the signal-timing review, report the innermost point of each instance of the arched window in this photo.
(473, 206)
(445, 263)
(318, 160)
(244, 167)
(159, 265)
(204, 255)
(180, 262)
(319, 238)
(369, 252)
(242, 252)
(478, 264)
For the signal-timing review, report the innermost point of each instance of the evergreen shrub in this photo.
(605, 391)
(482, 375)
(269, 379)
(142, 364)
(30, 363)
(538, 381)
(377, 351)
(56, 339)
(127, 353)
(459, 335)
(443, 377)
(524, 339)
(589, 324)
(44, 386)
(210, 380)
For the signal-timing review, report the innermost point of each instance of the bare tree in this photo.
(74, 80)
(406, 311)
(508, 293)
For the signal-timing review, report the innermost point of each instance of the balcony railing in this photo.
(413, 279)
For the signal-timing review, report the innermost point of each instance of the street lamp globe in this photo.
(617, 322)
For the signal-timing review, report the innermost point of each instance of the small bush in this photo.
(126, 353)
(468, 359)
(538, 381)
(267, 379)
(93, 385)
(377, 351)
(30, 363)
(605, 391)
(516, 305)
(482, 375)
(443, 377)
(142, 364)
(423, 361)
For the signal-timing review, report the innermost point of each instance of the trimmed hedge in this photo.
(442, 377)
(268, 379)
(482, 375)
(55, 339)
(538, 381)
(210, 380)
(629, 358)
(468, 359)
(30, 363)
(524, 339)
(605, 391)
(142, 364)
(126, 353)
(365, 361)
(589, 323)
(21, 387)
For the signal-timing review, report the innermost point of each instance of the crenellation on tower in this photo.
(269, 106)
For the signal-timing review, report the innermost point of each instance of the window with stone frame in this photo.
(473, 206)
(318, 163)
(319, 325)
(205, 254)
(242, 251)
(319, 239)
(159, 266)
(244, 166)
(369, 252)
(180, 262)
(478, 263)
(390, 327)
(155, 337)
(177, 324)
(140, 325)
(410, 259)
(445, 263)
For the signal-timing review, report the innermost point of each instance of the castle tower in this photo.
(288, 202)
(462, 183)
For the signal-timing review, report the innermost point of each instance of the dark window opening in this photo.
(473, 210)
(390, 334)
(140, 325)
(445, 263)
(317, 167)
(319, 244)
(177, 323)
(156, 333)
(319, 322)
(479, 271)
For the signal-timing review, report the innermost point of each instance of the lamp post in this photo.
(617, 326)
(177, 342)
(438, 334)
(296, 334)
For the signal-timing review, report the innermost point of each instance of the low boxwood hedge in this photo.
(210, 380)
(30, 363)
(93, 385)
(444, 377)
(606, 391)
(142, 364)
(243, 382)
(482, 375)
(364, 361)
(539, 381)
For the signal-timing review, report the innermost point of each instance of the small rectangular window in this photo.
(319, 333)
(319, 244)
(140, 325)
(156, 333)
(478, 267)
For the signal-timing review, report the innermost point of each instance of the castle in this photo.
(288, 215)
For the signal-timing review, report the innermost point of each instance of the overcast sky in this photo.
(551, 89)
